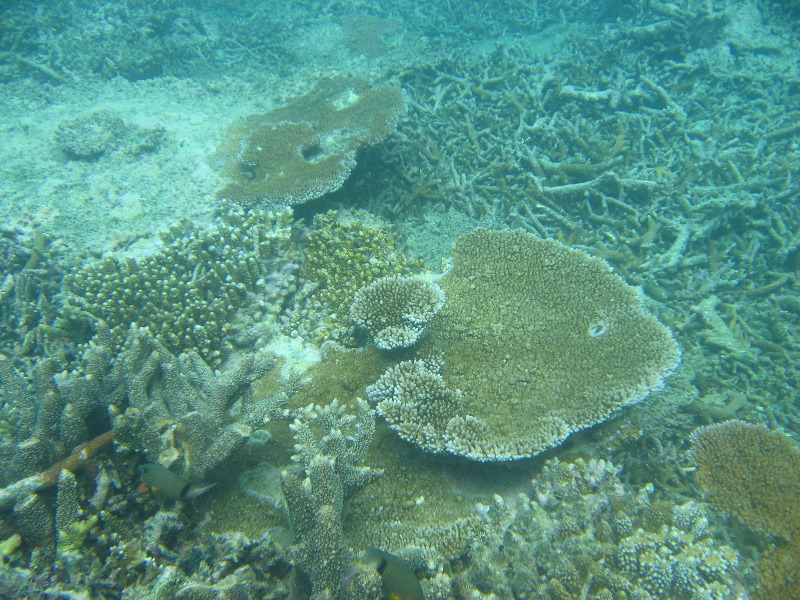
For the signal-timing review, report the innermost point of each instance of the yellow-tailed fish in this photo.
(165, 483)
(398, 581)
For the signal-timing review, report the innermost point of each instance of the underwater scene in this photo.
(400, 300)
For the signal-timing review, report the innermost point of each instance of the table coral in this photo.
(308, 147)
(753, 473)
(396, 309)
(536, 341)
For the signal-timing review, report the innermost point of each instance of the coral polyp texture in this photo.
(308, 147)
(752, 473)
(535, 341)
(396, 309)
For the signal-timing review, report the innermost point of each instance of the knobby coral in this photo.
(308, 147)
(586, 534)
(535, 341)
(188, 290)
(343, 256)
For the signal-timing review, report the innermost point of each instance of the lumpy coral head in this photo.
(535, 341)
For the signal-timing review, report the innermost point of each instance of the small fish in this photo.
(398, 581)
(165, 483)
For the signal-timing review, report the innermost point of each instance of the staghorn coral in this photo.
(28, 286)
(187, 291)
(345, 438)
(179, 411)
(752, 473)
(325, 472)
(308, 147)
(396, 309)
(536, 341)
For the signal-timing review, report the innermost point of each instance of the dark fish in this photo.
(165, 483)
(398, 581)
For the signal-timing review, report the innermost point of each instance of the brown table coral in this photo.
(308, 147)
(535, 341)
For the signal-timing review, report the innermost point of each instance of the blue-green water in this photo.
(243, 241)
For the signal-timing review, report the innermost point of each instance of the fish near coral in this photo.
(160, 480)
(398, 581)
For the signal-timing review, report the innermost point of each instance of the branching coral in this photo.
(177, 410)
(50, 418)
(188, 290)
(327, 471)
(307, 148)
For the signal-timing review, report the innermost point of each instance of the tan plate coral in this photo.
(308, 147)
(535, 341)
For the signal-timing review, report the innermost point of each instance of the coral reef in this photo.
(181, 413)
(187, 291)
(326, 470)
(308, 147)
(104, 547)
(581, 533)
(536, 341)
(343, 255)
(396, 309)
